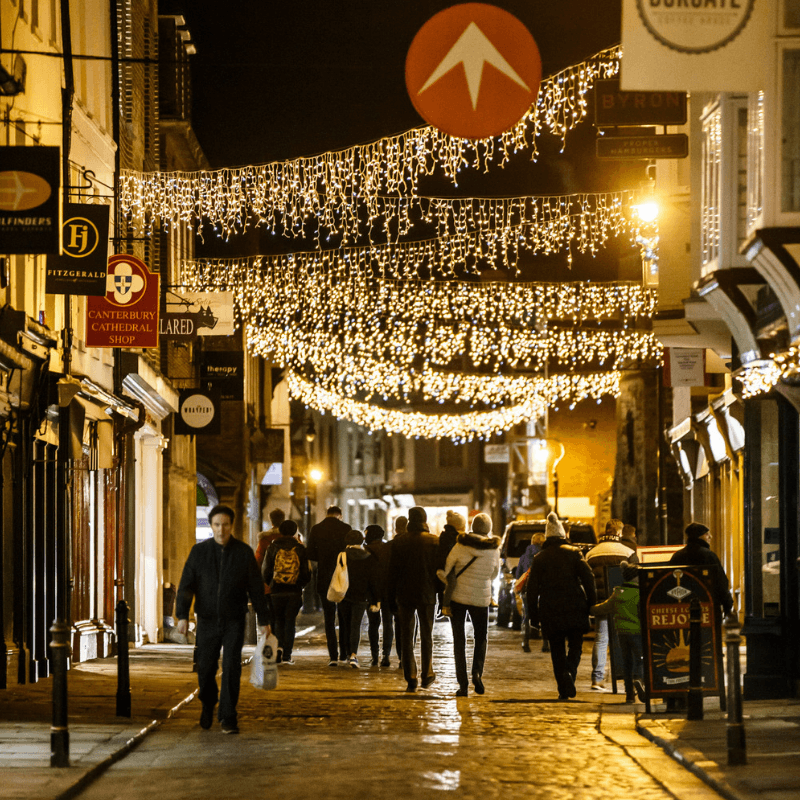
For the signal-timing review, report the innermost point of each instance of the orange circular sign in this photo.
(473, 70)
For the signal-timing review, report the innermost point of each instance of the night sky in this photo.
(273, 81)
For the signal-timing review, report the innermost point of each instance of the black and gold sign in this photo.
(82, 269)
(665, 594)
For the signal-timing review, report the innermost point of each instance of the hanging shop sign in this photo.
(188, 315)
(667, 145)
(696, 45)
(473, 71)
(127, 315)
(685, 366)
(82, 267)
(665, 594)
(612, 106)
(30, 179)
(223, 370)
(198, 413)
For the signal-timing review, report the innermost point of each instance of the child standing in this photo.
(623, 607)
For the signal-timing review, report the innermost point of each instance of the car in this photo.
(516, 538)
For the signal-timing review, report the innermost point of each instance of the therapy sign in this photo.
(127, 315)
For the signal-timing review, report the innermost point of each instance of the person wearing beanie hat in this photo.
(457, 521)
(623, 608)
(471, 566)
(286, 571)
(325, 542)
(412, 595)
(456, 524)
(554, 527)
(560, 590)
(608, 553)
(698, 552)
(381, 549)
(362, 592)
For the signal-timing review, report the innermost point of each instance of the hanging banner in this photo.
(127, 315)
(224, 370)
(696, 45)
(82, 267)
(30, 179)
(198, 413)
(188, 315)
(665, 594)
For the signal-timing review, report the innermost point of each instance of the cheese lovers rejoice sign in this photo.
(473, 70)
(127, 315)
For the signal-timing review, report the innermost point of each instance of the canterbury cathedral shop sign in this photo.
(127, 314)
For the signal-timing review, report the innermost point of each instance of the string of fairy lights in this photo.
(458, 427)
(342, 192)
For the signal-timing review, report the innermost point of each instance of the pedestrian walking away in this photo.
(471, 566)
(362, 592)
(266, 538)
(325, 542)
(623, 609)
(560, 591)
(219, 575)
(286, 572)
(412, 592)
(608, 552)
(383, 617)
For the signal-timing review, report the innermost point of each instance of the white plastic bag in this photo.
(264, 667)
(340, 582)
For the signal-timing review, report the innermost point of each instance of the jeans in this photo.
(335, 649)
(566, 661)
(600, 649)
(479, 616)
(351, 615)
(630, 644)
(212, 636)
(408, 616)
(375, 619)
(286, 606)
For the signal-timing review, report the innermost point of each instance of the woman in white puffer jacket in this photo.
(474, 563)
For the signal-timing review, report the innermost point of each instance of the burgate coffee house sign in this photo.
(695, 26)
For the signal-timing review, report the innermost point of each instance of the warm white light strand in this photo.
(331, 189)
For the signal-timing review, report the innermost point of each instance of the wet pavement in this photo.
(342, 733)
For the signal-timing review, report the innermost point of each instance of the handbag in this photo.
(450, 582)
(340, 582)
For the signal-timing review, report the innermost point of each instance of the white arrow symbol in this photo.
(473, 49)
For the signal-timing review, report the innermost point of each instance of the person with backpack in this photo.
(286, 572)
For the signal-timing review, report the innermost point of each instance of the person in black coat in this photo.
(698, 552)
(560, 591)
(362, 592)
(382, 550)
(219, 575)
(413, 585)
(325, 542)
(286, 572)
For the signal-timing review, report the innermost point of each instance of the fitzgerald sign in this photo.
(30, 179)
(127, 315)
(82, 267)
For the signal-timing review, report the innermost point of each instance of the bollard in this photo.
(695, 701)
(123, 663)
(737, 750)
(59, 731)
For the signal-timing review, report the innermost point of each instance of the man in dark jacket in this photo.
(382, 550)
(325, 542)
(362, 592)
(412, 593)
(286, 572)
(219, 575)
(560, 591)
(698, 552)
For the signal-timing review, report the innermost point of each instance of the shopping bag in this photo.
(340, 582)
(264, 666)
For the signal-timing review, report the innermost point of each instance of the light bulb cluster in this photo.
(760, 377)
(330, 191)
(458, 427)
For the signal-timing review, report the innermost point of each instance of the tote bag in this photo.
(340, 582)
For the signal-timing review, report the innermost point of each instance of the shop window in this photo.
(790, 139)
(766, 534)
(712, 166)
(755, 159)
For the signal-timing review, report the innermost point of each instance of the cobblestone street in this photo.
(346, 733)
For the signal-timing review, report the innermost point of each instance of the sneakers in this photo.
(229, 726)
(353, 661)
(333, 663)
(288, 661)
(385, 662)
(598, 687)
(206, 716)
